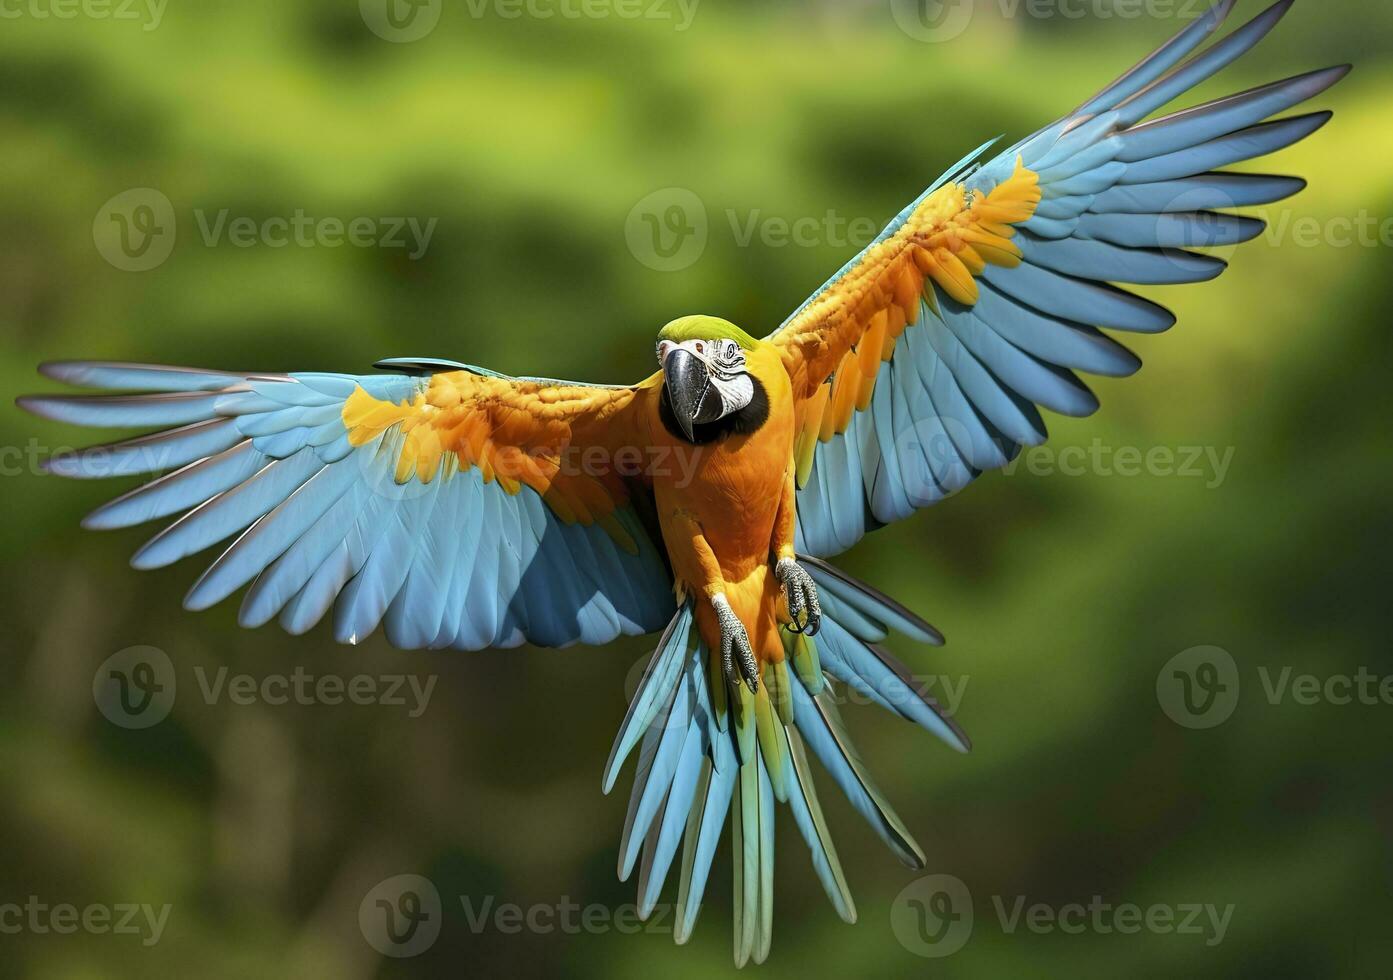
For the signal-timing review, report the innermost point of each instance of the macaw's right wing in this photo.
(461, 509)
(928, 358)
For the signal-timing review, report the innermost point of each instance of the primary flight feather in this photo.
(456, 507)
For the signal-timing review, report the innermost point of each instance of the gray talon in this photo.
(800, 591)
(735, 640)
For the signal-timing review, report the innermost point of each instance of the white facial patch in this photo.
(725, 366)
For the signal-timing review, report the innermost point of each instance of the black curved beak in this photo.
(690, 391)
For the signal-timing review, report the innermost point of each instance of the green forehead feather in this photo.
(702, 327)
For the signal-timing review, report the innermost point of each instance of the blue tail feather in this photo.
(690, 779)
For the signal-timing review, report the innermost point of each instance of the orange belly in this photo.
(732, 489)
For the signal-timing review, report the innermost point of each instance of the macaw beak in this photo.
(694, 399)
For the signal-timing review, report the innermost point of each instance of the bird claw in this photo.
(800, 592)
(737, 655)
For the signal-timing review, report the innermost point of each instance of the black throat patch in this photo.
(741, 423)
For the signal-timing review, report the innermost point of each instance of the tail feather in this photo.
(807, 813)
(656, 687)
(699, 767)
(874, 673)
(875, 605)
(704, 825)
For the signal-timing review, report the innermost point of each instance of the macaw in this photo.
(458, 507)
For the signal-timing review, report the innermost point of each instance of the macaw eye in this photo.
(700, 347)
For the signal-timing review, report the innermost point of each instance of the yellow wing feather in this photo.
(515, 432)
(833, 348)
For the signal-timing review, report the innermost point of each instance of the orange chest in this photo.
(731, 487)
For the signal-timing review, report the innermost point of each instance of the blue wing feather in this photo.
(1122, 201)
(267, 458)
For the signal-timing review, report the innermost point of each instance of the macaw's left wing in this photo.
(926, 359)
(462, 509)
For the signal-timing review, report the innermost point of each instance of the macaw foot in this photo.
(801, 594)
(737, 656)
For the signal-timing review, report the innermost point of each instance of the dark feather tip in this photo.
(29, 403)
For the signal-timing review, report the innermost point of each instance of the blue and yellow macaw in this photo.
(461, 508)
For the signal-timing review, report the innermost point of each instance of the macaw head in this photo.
(704, 372)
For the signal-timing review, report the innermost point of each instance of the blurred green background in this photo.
(530, 141)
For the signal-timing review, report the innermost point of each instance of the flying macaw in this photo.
(462, 508)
